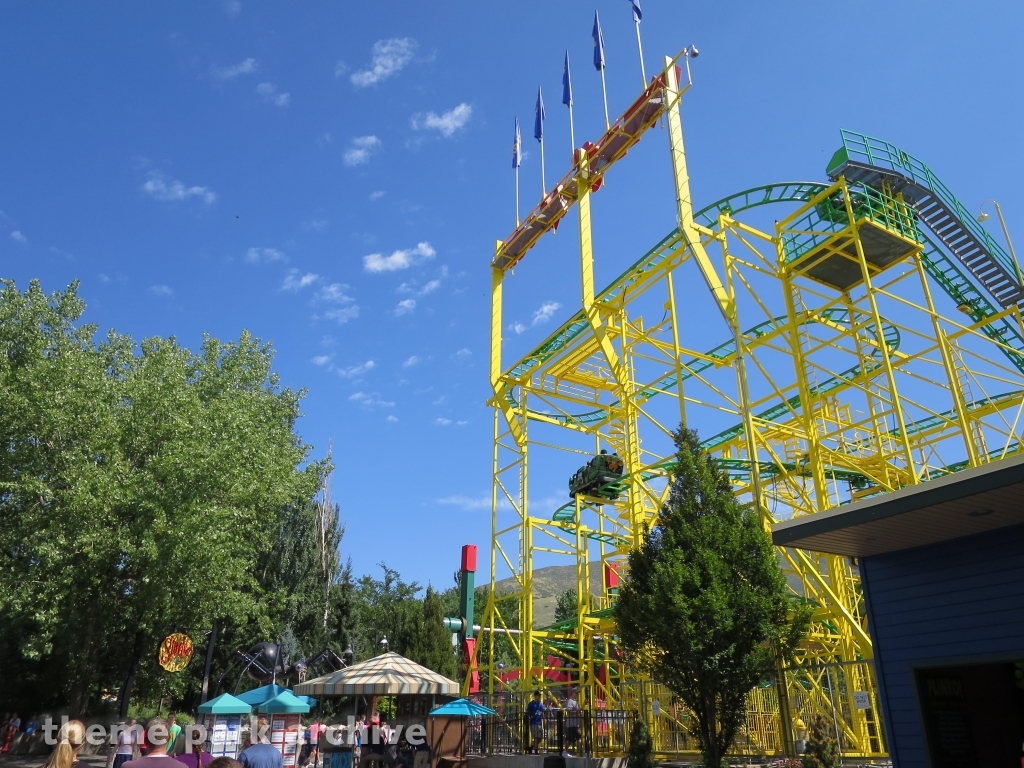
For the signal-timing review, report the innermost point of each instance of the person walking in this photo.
(316, 732)
(360, 727)
(535, 718)
(572, 723)
(198, 757)
(70, 739)
(127, 743)
(13, 726)
(261, 753)
(173, 731)
(158, 741)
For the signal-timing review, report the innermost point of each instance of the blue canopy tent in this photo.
(225, 704)
(258, 696)
(461, 708)
(286, 702)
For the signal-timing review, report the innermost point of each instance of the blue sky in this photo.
(333, 176)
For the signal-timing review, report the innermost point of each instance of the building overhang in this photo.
(975, 500)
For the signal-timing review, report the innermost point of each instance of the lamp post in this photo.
(983, 217)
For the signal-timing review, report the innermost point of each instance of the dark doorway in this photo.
(973, 714)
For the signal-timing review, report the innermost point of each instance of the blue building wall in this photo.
(954, 602)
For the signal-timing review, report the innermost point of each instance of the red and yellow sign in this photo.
(175, 652)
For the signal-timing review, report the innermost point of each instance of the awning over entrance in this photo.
(975, 500)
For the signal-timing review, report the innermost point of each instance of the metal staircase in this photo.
(878, 164)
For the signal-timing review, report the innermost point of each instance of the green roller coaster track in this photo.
(941, 268)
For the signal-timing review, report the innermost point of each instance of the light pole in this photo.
(983, 217)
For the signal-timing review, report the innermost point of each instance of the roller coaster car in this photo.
(595, 477)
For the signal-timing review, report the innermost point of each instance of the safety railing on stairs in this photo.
(881, 154)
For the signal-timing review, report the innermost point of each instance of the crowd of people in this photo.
(164, 743)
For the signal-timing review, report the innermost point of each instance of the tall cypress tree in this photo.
(435, 644)
(704, 607)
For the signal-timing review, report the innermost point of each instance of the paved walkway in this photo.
(38, 761)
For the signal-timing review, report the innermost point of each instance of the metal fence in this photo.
(844, 694)
(576, 732)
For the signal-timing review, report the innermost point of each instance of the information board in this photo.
(284, 734)
(223, 733)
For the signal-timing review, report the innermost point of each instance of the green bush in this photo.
(641, 749)
(822, 748)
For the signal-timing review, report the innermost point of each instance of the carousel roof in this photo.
(389, 674)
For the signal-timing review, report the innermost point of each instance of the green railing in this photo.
(865, 150)
(818, 225)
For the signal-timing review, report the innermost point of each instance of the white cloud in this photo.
(270, 94)
(462, 423)
(547, 309)
(343, 315)
(410, 362)
(375, 196)
(294, 282)
(355, 371)
(391, 418)
(463, 353)
(544, 313)
(405, 307)
(315, 225)
(361, 149)
(441, 421)
(468, 503)
(163, 188)
(321, 359)
(161, 290)
(370, 400)
(430, 287)
(389, 58)
(446, 123)
(335, 292)
(246, 67)
(266, 255)
(103, 278)
(400, 259)
(340, 68)
(18, 237)
(232, 7)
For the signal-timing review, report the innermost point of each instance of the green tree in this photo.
(565, 605)
(704, 607)
(822, 748)
(640, 752)
(387, 607)
(140, 488)
(435, 649)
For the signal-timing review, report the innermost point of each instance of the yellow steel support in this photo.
(806, 347)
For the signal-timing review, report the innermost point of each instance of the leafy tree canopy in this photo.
(704, 606)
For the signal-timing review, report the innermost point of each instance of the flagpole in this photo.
(567, 100)
(572, 135)
(600, 63)
(640, 47)
(543, 184)
(604, 91)
(517, 197)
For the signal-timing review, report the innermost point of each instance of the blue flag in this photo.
(637, 13)
(538, 123)
(566, 83)
(517, 147)
(598, 44)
